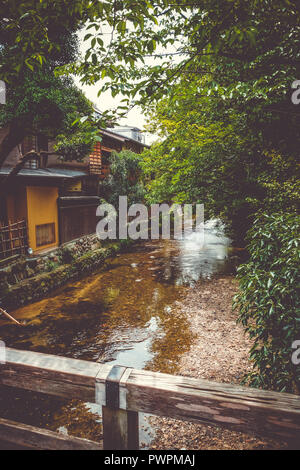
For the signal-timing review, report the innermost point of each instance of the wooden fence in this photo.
(124, 392)
(13, 239)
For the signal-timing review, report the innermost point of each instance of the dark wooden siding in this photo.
(77, 217)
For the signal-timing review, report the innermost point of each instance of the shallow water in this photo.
(127, 314)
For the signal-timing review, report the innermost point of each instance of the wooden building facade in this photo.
(57, 200)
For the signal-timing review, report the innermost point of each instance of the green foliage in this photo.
(207, 155)
(32, 33)
(75, 147)
(251, 49)
(214, 152)
(78, 141)
(42, 103)
(51, 266)
(269, 301)
(124, 179)
(38, 101)
(280, 183)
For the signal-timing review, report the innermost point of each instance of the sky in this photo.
(135, 117)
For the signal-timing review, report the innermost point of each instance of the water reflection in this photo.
(184, 262)
(126, 315)
(198, 260)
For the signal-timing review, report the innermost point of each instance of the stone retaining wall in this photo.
(30, 279)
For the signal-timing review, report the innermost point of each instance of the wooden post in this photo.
(125, 392)
(2, 241)
(26, 235)
(120, 425)
(10, 237)
(120, 429)
(20, 236)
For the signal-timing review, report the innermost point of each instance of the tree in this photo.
(250, 48)
(31, 32)
(125, 178)
(208, 154)
(257, 40)
(37, 100)
(40, 103)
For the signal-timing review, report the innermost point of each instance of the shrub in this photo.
(269, 302)
(125, 179)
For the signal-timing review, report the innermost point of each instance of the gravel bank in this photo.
(219, 353)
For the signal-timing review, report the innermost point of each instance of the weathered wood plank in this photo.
(231, 406)
(54, 375)
(34, 438)
(120, 429)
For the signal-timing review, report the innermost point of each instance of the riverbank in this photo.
(219, 352)
(148, 307)
(65, 264)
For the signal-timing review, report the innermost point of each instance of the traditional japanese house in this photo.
(53, 201)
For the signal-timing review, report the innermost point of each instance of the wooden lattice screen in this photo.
(13, 239)
(95, 160)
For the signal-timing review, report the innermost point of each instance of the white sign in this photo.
(296, 94)
(2, 92)
(2, 353)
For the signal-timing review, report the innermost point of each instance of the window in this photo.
(29, 144)
(45, 234)
(37, 143)
(33, 164)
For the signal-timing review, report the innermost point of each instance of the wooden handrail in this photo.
(123, 392)
(31, 437)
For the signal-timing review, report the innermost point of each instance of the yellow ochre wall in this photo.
(41, 209)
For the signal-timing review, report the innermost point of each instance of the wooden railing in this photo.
(13, 239)
(124, 392)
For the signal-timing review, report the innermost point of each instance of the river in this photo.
(125, 314)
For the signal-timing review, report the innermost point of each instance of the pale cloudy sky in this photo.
(135, 117)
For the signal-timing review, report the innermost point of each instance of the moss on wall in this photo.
(39, 286)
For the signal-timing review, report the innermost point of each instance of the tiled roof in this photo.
(120, 137)
(45, 172)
